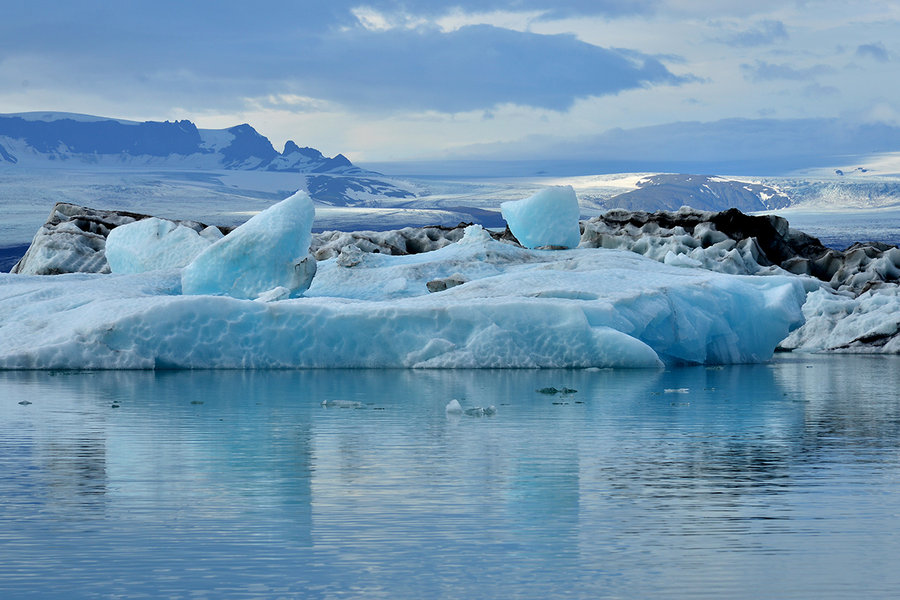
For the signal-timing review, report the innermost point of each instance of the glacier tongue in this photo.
(516, 308)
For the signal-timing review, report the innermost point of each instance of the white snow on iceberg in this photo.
(516, 308)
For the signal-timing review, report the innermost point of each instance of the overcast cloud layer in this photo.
(384, 79)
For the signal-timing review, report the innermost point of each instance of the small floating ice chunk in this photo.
(676, 391)
(453, 407)
(341, 404)
(551, 391)
(479, 411)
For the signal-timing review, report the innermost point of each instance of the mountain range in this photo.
(670, 191)
(36, 137)
(53, 139)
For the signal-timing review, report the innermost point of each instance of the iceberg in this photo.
(836, 322)
(153, 243)
(549, 218)
(269, 251)
(514, 308)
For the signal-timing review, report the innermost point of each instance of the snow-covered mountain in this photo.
(72, 141)
(670, 191)
(65, 138)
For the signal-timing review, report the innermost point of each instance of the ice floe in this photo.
(517, 308)
(641, 290)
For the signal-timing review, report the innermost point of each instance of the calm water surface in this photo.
(775, 481)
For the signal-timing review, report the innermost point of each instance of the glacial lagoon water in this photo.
(775, 480)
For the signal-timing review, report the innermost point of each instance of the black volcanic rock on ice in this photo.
(732, 241)
(73, 240)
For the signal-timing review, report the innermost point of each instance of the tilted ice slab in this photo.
(268, 253)
(518, 308)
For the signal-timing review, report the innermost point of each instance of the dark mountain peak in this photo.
(83, 138)
(341, 161)
(103, 136)
(247, 145)
(291, 148)
(338, 163)
(242, 129)
(186, 126)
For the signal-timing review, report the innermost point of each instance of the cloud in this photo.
(343, 52)
(763, 33)
(814, 90)
(764, 71)
(742, 145)
(876, 51)
(550, 10)
(474, 67)
(51, 23)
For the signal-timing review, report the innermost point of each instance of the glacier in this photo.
(518, 308)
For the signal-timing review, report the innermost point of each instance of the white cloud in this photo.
(375, 20)
(515, 20)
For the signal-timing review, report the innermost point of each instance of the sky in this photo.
(389, 80)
